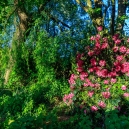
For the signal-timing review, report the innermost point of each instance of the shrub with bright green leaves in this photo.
(101, 78)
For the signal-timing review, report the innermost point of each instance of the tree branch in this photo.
(54, 18)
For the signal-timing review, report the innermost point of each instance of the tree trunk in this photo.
(18, 37)
(122, 4)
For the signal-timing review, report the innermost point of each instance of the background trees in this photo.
(69, 21)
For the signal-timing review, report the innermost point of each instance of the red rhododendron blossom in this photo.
(96, 85)
(92, 38)
(106, 95)
(119, 58)
(87, 80)
(125, 67)
(79, 56)
(90, 53)
(102, 73)
(94, 108)
(93, 62)
(101, 104)
(80, 63)
(122, 49)
(102, 63)
(104, 46)
(128, 40)
(123, 87)
(112, 74)
(118, 41)
(80, 69)
(83, 75)
(68, 98)
(100, 28)
(126, 94)
(115, 37)
(85, 84)
(90, 93)
(72, 79)
(116, 63)
(91, 84)
(106, 82)
(113, 80)
(98, 37)
(115, 49)
(91, 70)
(97, 45)
(127, 52)
(118, 68)
(105, 39)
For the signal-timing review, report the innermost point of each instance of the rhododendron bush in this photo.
(101, 77)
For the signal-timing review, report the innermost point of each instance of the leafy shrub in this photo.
(101, 78)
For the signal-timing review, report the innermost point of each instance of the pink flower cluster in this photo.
(68, 99)
(101, 104)
(106, 60)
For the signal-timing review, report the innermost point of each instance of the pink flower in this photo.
(106, 82)
(118, 68)
(125, 67)
(118, 41)
(98, 36)
(92, 38)
(128, 40)
(126, 94)
(122, 49)
(90, 93)
(96, 85)
(97, 45)
(104, 45)
(102, 63)
(100, 28)
(91, 69)
(106, 95)
(79, 56)
(113, 80)
(123, 87)
(101, 104)
(115, 37)
(119, 58)
(105, 39)
(115, 49)
(83, 75)
(93, 62)
(68, 98)
(112, 74)
(80, 69)
(94, 108)
(90, 53)
(85, 84)
(71, 80)
(80, 63)
(127, 52)
(102, 73)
